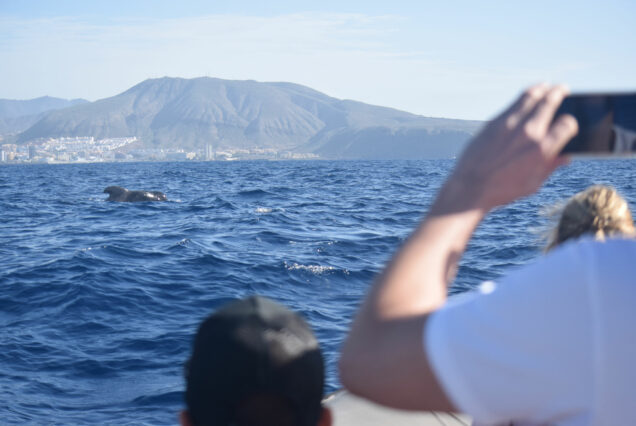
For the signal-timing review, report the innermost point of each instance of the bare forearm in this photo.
(412, 286)
(416, 280)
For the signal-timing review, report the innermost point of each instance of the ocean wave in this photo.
(314, 269)
(101, 300)
(254, 193)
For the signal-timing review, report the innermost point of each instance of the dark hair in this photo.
(254, 362)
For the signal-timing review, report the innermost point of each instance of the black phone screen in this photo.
(607, 123)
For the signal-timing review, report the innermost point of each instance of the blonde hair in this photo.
(599, 211)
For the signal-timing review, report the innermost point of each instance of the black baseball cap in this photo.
(254, 349)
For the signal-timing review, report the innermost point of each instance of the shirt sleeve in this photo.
(521, 349)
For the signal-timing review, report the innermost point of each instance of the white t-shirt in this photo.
(552, 343)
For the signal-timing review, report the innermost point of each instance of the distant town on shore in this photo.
(89, 150)
(208, 119)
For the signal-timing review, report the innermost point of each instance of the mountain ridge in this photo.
(245, 114)
(18, 115)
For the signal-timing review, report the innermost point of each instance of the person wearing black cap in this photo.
(255, 363)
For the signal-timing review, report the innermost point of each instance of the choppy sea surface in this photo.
(99, 301)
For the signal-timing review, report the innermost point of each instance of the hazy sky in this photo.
(460, 59)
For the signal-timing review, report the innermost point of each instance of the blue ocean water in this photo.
(99, 301)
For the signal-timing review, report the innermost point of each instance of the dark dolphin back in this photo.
(145, 196)
(160, 195)
(117, 193)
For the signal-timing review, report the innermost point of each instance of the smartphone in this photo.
(607, 123)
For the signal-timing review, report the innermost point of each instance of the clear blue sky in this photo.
(463, 59)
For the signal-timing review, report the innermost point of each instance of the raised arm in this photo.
(384, 358)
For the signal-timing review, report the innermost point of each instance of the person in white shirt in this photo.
(550, 343)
